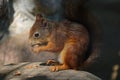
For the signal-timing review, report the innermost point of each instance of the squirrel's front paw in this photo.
(36, 49)
(52, 62)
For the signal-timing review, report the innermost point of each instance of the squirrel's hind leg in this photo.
(68, 58)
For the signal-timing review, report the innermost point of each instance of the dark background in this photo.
(108, 14)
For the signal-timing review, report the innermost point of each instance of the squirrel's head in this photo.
(40, 31)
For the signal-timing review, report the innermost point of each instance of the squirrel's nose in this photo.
(36, 34)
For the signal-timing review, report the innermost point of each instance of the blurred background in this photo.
(108, 14)
(17, 17)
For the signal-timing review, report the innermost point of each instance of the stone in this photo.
(38, 71)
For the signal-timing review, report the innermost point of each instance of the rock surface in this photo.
(39, 71)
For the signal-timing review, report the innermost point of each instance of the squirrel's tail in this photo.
(81, 15)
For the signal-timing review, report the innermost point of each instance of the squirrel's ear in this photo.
(38, 17)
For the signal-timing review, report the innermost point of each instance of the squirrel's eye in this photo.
(36, 35)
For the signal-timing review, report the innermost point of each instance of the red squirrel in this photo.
(70, 39)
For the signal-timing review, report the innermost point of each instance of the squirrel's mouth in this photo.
(39, 44)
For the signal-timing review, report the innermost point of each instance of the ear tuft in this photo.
(38, 17)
